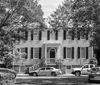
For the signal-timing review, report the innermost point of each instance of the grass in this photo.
(60, 81)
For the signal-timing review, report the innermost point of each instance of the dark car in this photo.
(94, 74)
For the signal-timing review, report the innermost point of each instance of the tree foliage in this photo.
(86, 18)
(82, 17)
(59, 19)
(16, 16)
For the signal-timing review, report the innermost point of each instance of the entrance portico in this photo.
(51, 51)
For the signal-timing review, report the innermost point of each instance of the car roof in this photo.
(47, 67)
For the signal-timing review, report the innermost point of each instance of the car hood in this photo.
(77, 69)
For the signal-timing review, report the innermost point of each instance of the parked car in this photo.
(43, 71)
(94, 74)
(84, 70)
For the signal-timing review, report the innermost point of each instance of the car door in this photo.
(85, 70)
(48, 71)
(41, 71)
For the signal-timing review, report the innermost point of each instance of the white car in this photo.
(46, 71)
(84, 70)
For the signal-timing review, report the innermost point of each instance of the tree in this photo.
(93, 61)
(82, 18)
(86, 21)
(60, 18)
(16, 17)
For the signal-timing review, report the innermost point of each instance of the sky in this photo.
(48, 6)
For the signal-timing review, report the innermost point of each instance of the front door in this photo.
(52, 55)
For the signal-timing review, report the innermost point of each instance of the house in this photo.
(53, 46)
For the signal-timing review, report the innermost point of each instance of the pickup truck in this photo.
(84, 70)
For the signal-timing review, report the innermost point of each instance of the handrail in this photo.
(34, 67)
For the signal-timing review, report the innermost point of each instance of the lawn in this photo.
(60, 81)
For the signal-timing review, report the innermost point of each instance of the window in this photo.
(42, 69)
(69, 53)
(83, 53)
(31, 52)
(68, 34)
(40, 35)
(68, 67)
(48, 35)
(25, 50)
(56, 35)
(86, 66)
(32, 35)
(83, 36)
(64, 34)
(48, 68)
(22, 50)
(36, 53)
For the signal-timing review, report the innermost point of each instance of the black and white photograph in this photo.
(49, 42)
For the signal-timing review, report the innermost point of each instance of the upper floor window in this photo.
(56, 35)
(48, 35)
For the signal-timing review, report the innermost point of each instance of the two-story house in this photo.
(53, 46)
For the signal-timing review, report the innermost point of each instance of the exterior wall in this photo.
(58, 44)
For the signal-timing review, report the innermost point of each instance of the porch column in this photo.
(46, 54)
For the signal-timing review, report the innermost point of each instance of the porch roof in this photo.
(52, 44)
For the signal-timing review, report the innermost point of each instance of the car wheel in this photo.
(77, 74)
(34, 74)
(53, 74)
